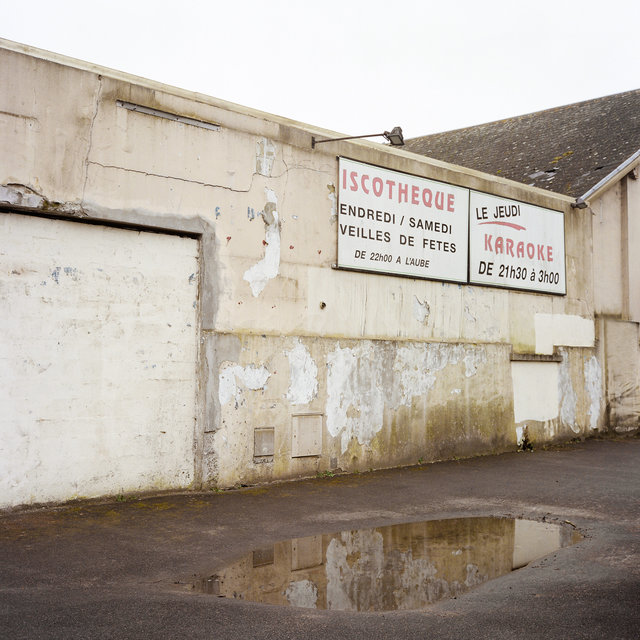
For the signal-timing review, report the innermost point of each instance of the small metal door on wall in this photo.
(98, 353)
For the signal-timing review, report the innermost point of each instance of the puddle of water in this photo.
(405, 566)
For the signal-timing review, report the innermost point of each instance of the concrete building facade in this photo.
(173, 316)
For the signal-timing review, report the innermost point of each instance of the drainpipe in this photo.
(581, 203)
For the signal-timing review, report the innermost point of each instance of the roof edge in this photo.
(608, 181)
(465, 173)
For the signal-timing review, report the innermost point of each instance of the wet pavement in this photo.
(147, 568)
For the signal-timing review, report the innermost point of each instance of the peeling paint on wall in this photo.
(355, 393)
(269, 267)
(334, 201)
(364, 380)
(303, 375)
(421, 310)
(251, 377)
(593, 387)
(566, 395)
(265, 156)
(418, 365)
(418, 369)
(473, 358)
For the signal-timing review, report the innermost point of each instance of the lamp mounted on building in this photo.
(394, 137)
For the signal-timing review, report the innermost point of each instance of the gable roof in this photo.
(567, 149)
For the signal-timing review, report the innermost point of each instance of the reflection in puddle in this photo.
(404, 566)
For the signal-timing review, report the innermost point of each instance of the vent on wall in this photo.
(306, 435)
(149, 111)
(263, 444)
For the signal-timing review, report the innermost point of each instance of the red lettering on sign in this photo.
(450, 202)
(391, 184)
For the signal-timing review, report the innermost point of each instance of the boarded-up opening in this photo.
(98, 353)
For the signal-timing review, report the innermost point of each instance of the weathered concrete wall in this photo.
(97, 351)
(384, 403)
(616, 261)
(354, 370)
(632, 255)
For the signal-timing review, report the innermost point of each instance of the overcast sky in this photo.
(355, 66)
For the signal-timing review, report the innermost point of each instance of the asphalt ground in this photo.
(123, 569)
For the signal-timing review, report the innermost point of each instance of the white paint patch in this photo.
(265, 156)
(566, 395)
(333, 199)
(421, 310)
(303, 375)
(473, 358)
(593, 387)
(365, 380)
(519, 435)
(268, 268)
(303, 593)
(562, 330)
(417, 369)
(355, 394)
(535, 390)
(251, 377)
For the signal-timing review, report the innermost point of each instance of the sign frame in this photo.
(408, 223)
(538, 249)
(394, 201)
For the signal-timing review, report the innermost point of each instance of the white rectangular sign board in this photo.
(516, 245)
(400, 224)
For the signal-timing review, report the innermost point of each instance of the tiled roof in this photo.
(566, 149)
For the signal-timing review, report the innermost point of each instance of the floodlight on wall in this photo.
(394, 137)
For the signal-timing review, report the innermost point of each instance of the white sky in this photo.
(355, 66)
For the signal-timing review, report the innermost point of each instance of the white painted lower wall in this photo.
(98, 352)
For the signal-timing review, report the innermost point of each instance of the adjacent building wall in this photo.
(301, 368)
(616, 261)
